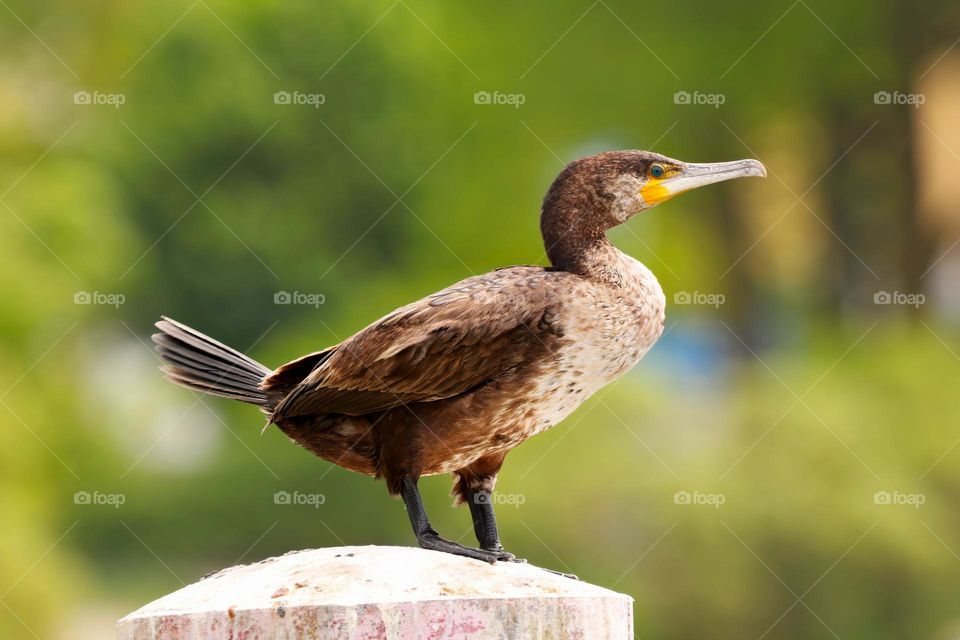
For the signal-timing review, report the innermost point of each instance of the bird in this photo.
(452, 382)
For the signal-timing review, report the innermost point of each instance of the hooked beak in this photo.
(691, 176)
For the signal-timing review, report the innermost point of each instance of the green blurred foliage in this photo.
(200, 198)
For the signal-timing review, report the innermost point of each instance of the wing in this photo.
(435, 348)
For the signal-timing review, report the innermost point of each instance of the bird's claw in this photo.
(503, 556)
(432, 541)
(561, 573)
(506, 556)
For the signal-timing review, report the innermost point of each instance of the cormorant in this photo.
(454, 381)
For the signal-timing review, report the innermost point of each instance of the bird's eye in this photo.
(657, 170)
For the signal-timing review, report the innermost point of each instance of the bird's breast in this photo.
(606, 331)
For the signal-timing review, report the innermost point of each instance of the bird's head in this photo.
(601, 191)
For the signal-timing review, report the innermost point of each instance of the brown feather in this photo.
(435, 348)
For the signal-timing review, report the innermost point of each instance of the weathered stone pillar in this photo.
(370, 593)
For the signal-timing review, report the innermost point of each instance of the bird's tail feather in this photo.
(199, 362)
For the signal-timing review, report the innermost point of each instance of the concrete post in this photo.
(382, 593)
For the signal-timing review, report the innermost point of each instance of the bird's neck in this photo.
(585, 252)
(575, 238)
(573, 223)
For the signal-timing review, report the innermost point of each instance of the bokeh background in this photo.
(783, 464)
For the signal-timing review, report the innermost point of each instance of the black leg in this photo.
(485, 526)
(430, 539)
(485, 522)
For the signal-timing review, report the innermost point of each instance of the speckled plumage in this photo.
(470, 372)
(452, 382)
